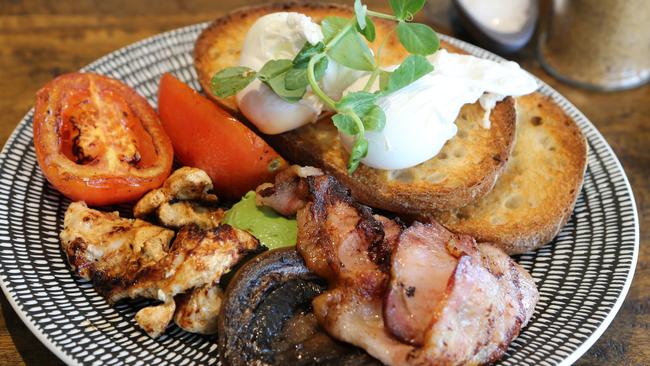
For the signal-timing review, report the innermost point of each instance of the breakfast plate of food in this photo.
(305, 184)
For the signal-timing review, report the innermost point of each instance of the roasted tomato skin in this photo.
(98, 141)
(207, 137)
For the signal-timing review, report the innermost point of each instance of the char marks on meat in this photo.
(127, 258)
(103, 247)
(197, 311)
(415, 296)
(183, 199)
(337, 237)
(197, 257)
(421, 268)
(289, 192)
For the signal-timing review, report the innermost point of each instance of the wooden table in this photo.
(40, 39)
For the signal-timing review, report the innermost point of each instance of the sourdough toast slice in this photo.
(536, 194)
(465, 169)
(219, 45)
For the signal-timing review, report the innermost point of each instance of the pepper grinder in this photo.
(597, 44)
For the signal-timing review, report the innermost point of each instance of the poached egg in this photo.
(420, 117)
(281, 36)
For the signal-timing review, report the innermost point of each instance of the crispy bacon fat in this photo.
(409, 296)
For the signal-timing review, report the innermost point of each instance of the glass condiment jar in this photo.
(598, 44)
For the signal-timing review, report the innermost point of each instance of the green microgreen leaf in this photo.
(359, 151)
(418, 39)
(413, 68)
(345, 123)
(274, 73)
(296, 78)
(302, 58)
(360, 12)
(331, 26)
(359, 102)
(320, 68)
(375, 119)
(231, 80)
(364, 105)
(383, 79)
(273, 69)
(352, 51)
(369, 31)
(412, 7)
(398, 8)
(406, 9)
(277, 84)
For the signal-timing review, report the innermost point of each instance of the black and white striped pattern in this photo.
(582, 276)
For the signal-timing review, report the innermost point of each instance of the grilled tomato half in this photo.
(207, 137)
(98, 141)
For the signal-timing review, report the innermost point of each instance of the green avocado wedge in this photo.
(272, 230)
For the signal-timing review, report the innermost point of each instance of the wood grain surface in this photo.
(40, 39)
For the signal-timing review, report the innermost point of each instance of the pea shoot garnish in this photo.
(343, 43)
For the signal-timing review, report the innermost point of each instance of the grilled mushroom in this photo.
(266, 318)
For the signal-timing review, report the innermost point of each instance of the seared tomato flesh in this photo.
(207, 137)
(98, 141)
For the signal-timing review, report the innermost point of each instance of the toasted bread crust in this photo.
(536, 194)
(465, 170)
(443, 182)
(219, 45)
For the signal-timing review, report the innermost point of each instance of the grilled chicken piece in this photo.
(419, 296)
(197, 311)
(102, 246)
(182, 200)
(178, 214)
(196, 258)
(154, 319)
(132, 258)
(289, 193)
(185, 184)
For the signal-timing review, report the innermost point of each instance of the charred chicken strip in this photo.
(154, 319)
(196, 258)
(132, 258)
(185, 184)
(178, 214)
(421, 296)
(182, 200)
(102, 246)
(197, 311)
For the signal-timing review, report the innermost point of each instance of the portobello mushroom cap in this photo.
(267, 319)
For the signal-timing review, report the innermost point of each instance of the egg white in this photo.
(420, 118)
(281, 36)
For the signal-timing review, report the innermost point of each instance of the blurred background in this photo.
(579, 47)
